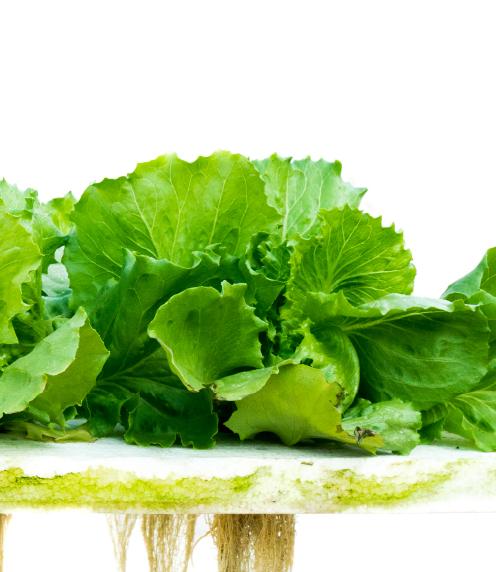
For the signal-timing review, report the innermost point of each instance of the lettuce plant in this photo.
(186, 302)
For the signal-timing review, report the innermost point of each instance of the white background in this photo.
(403, 93)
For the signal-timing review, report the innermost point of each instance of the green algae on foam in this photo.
(108, 489)
(344, 489)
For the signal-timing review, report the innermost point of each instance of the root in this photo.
(4, 519)
(254, 542)
(121, 527)
(169, 541)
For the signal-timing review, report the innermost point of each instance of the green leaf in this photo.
(166, 209)
(59, 211)
(56, 291)
(239, 385)
(46, 226)
(396, 422)
(296, 404)
(415, 349)
(473, 416)
(479, 288)
(483, 277)
(351, 253)
(209, 335)
(153, 406)
(56, 374)
(103, 406)
(137, 371)
(163, 412)
(72, 385)
(19, 258)
(15, 201)
(433, 423)
(18, 427)
(48, 223)
(265, 270)
(128, 306)
(334, 354)
(299, 189)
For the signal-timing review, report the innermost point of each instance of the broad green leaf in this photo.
(296, 404)
(212, 339)
(166, 209)
(479, 288)
(351, 253)
(39, 231)
(51, 226)
(239, 385)
(48, 223)
(153, 406)
(264, 269)
(56, 374)
(137, 372)
(103, 406)
(483, 277)
(334, 354)
(415, 349)
(127, 308)
(160, 413)
(209, 335)
(473, 416)
(488, 382)
(71, 386)
(299, 189)
(396, 422)
(19, 258)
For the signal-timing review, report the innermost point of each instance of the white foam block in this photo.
(110, 475)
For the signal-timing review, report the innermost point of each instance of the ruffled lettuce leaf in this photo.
(265, 270)
(21, 426)
(211, 339)
(162, 412)
(410, 348)
(166, 209)
(19, 258)
(350, 252)
(473, 414)
(298, 190)
(335, 355)
(479, 288)
(396, 422)
(483, 277)
(352, 276)
(152, 406)
(34, 237)
(136, 388)
(127, 306)
(317, 303)
(58, 373)
(48, 223)
(296, 404)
